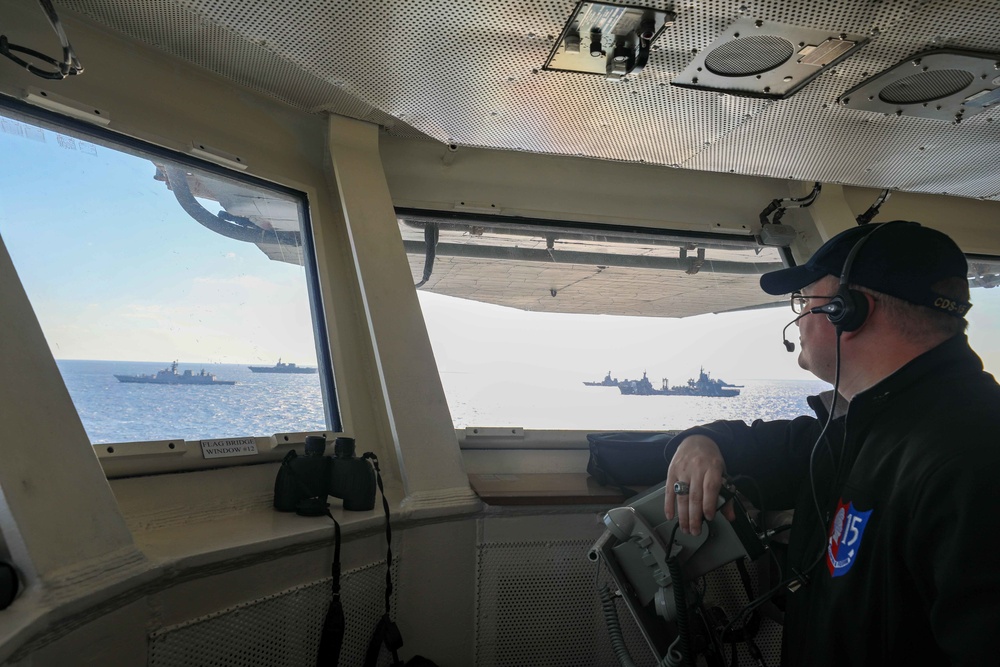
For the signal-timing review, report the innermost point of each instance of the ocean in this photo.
(258, 404)
(263, 404)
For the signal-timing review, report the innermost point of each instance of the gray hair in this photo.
(922, 323)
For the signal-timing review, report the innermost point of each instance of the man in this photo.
(892, 556)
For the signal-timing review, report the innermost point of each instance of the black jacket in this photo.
(908, 565)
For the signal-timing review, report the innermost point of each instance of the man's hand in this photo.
(699, 463)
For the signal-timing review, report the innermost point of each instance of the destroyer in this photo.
(171, 376)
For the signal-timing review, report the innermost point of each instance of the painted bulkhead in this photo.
(144, 556)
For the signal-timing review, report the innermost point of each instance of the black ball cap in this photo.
(903, 259)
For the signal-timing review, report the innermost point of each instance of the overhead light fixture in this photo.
(941, 84)
(611, 40)
(755, 58)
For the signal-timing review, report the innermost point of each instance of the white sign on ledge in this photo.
(225, 447)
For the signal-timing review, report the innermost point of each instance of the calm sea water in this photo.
(566, 403)
(259, 404)
(263, 404)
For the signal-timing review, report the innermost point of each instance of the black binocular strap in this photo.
(386, 631)
(388, 530)
(331, 637)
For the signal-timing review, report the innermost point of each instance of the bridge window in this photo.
(160, 283)
(547, 326)
(984, 318)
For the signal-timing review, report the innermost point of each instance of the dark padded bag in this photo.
(628, 458)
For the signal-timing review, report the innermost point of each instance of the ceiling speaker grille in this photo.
(749, 55)
(771, 60)
(926, 86)
(945, 84)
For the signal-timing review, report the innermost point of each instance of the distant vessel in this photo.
(703, 386)
(281, 368)
(606, 382)
(171, 376)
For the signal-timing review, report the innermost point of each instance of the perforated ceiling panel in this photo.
(470, 73)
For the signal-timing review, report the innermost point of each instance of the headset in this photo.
(848, 309)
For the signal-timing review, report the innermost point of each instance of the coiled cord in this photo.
(614, 627)
(673, 658)
(680, 602)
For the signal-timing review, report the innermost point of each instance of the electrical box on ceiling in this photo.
(754, 58)
(606, 39)
(777, 235)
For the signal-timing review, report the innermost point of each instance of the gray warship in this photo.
(171, 376)
(703, 386)
(281, 368)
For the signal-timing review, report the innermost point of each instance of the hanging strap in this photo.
(386, 631)
(388, 531)
(332, 635)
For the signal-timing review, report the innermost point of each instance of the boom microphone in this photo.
(789, 345)
(832, 309)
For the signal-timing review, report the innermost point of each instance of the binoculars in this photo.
(304, 482)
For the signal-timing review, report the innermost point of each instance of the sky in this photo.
(116, 270)
(505, 341)
(478, 337)
(120, 272)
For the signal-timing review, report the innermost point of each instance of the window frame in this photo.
(475, 439)
(154, 456)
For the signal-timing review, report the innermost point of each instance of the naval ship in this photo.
(171, 376)
(703, 386)
(282, 367)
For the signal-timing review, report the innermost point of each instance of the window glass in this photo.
(984, 317)
(159, 287)
(550, 328)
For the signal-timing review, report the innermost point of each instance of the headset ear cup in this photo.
(851, 311)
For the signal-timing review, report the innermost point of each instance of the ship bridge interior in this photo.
(548, 156)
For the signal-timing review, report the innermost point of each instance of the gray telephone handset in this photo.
(640, 542)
